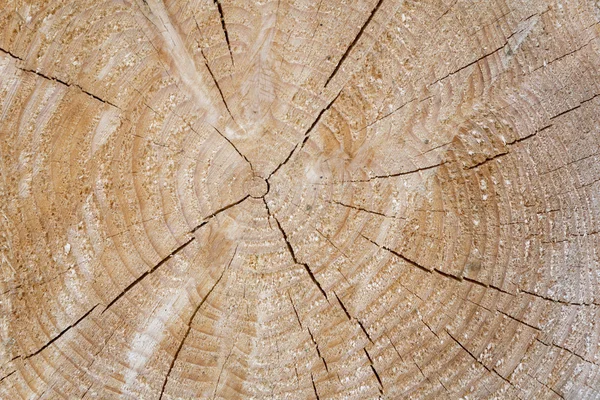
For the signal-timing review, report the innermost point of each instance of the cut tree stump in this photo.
(300, 199)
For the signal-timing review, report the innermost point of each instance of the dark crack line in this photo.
(314, 386)
(491, 370)
(343, 306)
(361, 209)
(318, 350)
(436, 270)
(295, 311)
(7, 52)
(558, 301)
(74, 324)
(508, 145)
(486, 285)
(234, 146)
(189, 325)
(205, 221)
(221, 371)
(350, 318)
(219, 211)
(373, 369)
(506, 43)
(402, 257)
(574, 108)
(402, 173)
(354, 42)
(552, 344)
(519, 321)
(217, 85)
(306, 134)
(362, 327)
(394, 346)
(7, 375)
(224, 26)
(292, 253)
(49, 78)
(389, 114)
(546, 386)
(148, 272)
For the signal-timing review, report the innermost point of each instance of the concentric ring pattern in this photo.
(300, 199)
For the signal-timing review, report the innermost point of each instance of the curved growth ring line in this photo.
(281, 199)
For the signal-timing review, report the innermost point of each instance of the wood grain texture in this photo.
(302, 199)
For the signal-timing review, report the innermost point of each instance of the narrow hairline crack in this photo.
(354, 42)
(64, 331)
(54, 79)
(436, 270)
(306, 134)
(206, 220)
(189, 324)
(401, 173)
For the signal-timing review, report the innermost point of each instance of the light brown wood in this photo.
(300, 199)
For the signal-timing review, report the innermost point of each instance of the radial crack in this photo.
(491, 370)
(411, 262)
(373, 369)
(306, 134)
(402, 173)
(318, 351)
(314, 386)
(49, 78)
(189, 326)
(224, 26)
(206, 219)
(360, 324)
(558, 301)
(292, 253)
(295, 311)
(519, 321)
(494, 157)
(356, 39)
(361, 209)
(150, 271)
(216, 84)
(55, 338)
(236, 149)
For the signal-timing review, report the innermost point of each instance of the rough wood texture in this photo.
(300, 199)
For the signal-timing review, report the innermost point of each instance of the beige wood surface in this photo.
(304, 199)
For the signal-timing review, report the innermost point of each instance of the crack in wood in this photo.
(558, 301)
(306, 134)
(224, 26)
(402, 173)
(292, 253)
(148, 272)
(235, 148)
(552, 344)
(374, 370)
(489, 159)
(58, 80)
(314, 386)
(189, 325)
(361, 209)
(55, 338)
(219, 211)
(353, 43)
(360, 324)
(212, 75)
(295, 311)
(318, 350)
(546, 386)
(491, 370)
